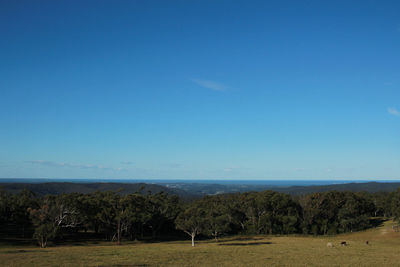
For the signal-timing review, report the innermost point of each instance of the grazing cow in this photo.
(343, 243)
(329, 245)
(367, 242)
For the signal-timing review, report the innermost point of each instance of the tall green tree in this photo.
(162, 209)
(335, 212)
(396, 205)
(21, 202)
(6, 201)
(191, 220)
(217, 219)
(270, 212)
(131, 215)
(53, 214)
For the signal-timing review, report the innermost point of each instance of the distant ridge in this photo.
(370, 187)
(189, 190)
(56, 188)
(211, 189)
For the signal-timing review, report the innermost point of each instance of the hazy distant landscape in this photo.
(191, 189)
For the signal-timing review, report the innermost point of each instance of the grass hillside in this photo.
(383, 250)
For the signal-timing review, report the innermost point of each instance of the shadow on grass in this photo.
(246, 244)
(16, 242)
(22, 251)
(376, 222)
(239, 238)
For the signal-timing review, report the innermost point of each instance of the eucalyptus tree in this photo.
(162, 210)
(52, 214)
(21, 202)
(271, 212)
(191, 220)
(104, 212)
(396, 205)
(335, 212)
(131, 215)
(6, 201)
(354, 213)
(217, 219)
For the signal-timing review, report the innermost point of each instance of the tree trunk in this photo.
(216, 236)
(119, 232)
(43, 242)
(193, 235)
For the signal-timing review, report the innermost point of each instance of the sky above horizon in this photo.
(200, 89)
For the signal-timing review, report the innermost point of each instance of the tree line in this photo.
(115, 217)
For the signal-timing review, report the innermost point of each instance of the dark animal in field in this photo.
(343, 243)
(367, 242)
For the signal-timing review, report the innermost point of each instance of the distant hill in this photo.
(56, 188)
(189, 190)
(370, 187)
(212, 189)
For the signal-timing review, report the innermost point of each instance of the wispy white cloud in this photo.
(127, 162)
(175, 165)
(73, 165)
(210, 84)
(235, 168)
(393, 111)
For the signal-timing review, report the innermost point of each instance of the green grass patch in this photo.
(383, 250)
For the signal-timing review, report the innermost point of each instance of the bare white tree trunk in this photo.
(216, 236)
(193, 235)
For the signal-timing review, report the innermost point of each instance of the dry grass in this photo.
(383, 250)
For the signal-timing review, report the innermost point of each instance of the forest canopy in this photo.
(115, 217)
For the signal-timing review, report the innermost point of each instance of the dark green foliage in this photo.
(117, 217)
(45, 226)
(192, 220)
(56, 188)
(53, 215)
(382, 202)
(5, 207)
(395, 205)
(335, 212)
(14, 211)
(217, 217)
(161, 209)
(270, 212)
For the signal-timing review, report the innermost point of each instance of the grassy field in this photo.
(383, 250)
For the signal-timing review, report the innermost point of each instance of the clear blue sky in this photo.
(200, 89)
